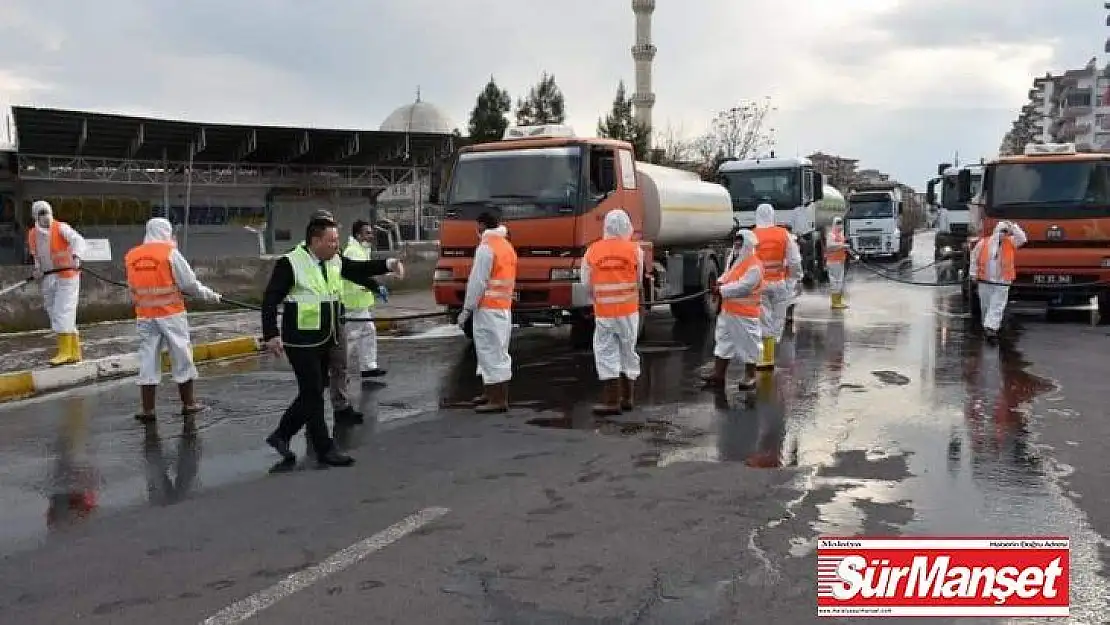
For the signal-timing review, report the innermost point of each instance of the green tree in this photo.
(488, 120)
(544, 104)
(621, 124)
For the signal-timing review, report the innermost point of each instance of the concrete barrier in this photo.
(23, 384)
(241, 279)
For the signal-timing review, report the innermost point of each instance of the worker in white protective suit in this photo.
(612, 270)
(362, 336)
(739, 330)
(992, 267)
(782, 269)
(57, 249)
(836, 258)
(489, 302)
(159, 277)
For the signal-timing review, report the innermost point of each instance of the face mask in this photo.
(365, 244)
(43, 221)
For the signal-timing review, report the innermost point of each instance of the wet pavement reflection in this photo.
(894, 417)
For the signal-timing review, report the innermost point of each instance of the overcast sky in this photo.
(899, 84)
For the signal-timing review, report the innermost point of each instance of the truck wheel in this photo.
(700, 309)
(581, 332)
(973, 306)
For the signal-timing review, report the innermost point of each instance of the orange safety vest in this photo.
(1006, 249)
(749, 305)
(614, 277)
(502, 278)
(60, 253)
(839, 255)
(150, 276)
(773, 242)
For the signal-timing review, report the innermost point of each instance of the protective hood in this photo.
(38, 208)
(838, 221)
(618, 225)
(747, 248)
(158, 229)
(764, 215)
(499, 231)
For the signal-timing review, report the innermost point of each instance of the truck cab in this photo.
(1061, 199)
(794, 189)
(552, 190)
(953, 216)
(876, 221)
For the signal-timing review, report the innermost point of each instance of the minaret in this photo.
(643, 53)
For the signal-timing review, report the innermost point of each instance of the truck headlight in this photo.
(442, 274)
(565, 274)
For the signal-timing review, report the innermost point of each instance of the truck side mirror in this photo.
(931, 192)
(818, 186)
(943, 167)
(963, 186)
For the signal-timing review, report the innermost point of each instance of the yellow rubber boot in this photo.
(838, 301)
(63, 351)
(74, 348)
(768, 359)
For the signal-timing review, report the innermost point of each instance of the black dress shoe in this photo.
(334, 459)
(282, 447)
(373, 373)
(348, 415)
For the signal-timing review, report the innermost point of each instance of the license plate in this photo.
(868, 242)
(1042, 278)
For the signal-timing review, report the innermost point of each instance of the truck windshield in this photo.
(870, 208)
(518, 184)
(752, 187)
(950, 192)
(1046, 190)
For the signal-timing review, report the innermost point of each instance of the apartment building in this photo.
(838, 170)
(1072, 107)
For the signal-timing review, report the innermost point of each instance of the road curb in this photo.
(24, 384)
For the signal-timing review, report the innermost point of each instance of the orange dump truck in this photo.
(1061, 199)
(552, 190)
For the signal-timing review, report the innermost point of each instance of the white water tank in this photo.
(680, 209)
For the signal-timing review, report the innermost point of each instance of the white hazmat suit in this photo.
(615, 337)
(59, 295)
(994, 288)
(171, 332)
(492, 327)
(738, 337)
(777, 294)
(614, 343)
(836, 251)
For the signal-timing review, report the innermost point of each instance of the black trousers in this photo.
(310, 366)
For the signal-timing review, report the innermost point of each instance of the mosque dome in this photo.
(419, 116)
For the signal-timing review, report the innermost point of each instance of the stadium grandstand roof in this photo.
(56, 132)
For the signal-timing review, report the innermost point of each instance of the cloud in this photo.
(881, 80)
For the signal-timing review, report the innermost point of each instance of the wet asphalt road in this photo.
(889, 418)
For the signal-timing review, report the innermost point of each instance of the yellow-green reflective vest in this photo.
(356, 296)
(310, 293)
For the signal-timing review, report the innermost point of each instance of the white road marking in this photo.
(242, 610)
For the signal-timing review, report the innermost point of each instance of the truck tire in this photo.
(700, 309)
(975, 311)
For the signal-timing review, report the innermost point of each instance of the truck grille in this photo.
(957, 228)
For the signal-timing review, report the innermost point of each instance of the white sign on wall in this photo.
(97, 251)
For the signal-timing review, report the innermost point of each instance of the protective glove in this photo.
(76, 263)
(396, 266)
(214, 296)
(464, 315)
(36, 273)
(383, 293)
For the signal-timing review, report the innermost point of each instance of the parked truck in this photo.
(953, 217)
(1061, 199)
(796, 191)
(879, 222)
(552, 190)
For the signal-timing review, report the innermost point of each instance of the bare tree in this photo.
(674, 148)
(737, 132)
